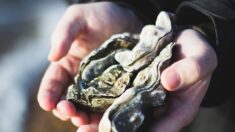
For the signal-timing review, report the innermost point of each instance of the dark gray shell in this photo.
(101, 78)
(127, 112)
(122, 77)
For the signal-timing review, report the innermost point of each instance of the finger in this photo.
(52, 87)
(170, 123)
(95, 118)
(177, 115)
(81, 118)
(88, 128)
(66, 108)
(69, 27)
(183, 107)
(83, 46)
(60, 116)
(185, 72)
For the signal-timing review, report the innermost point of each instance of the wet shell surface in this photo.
(122, 77)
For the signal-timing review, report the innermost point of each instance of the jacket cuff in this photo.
(201, 21)
(219, 29)
(145, 10)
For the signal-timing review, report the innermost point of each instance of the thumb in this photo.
(67, 30)
(88, 128)
(185, 73)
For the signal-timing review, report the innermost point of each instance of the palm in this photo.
(183, 106)
(195, 62)
(83, 28)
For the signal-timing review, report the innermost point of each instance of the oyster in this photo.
(101, 79)
(122, 77)
(127, 112)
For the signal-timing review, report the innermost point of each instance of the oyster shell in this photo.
(127, 112)
(101, 78)
(122, 77)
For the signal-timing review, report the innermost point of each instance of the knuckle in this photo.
(75, 123)
(60, 116)
(194, 68)
(214, 60)
(210, 58)
(72, 9)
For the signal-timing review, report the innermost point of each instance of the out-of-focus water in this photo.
(25, 29)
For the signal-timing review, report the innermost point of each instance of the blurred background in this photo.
(25, 30)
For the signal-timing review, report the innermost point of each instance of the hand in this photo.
(82, 28)
(187, 79)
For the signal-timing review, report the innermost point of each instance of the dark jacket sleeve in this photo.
(215, 19)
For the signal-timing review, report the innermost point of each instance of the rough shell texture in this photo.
(122, 77)
(127, 112)
(101, 78)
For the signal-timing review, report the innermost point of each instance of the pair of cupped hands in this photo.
(84, 27)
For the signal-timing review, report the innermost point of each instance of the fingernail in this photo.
(171, 79)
